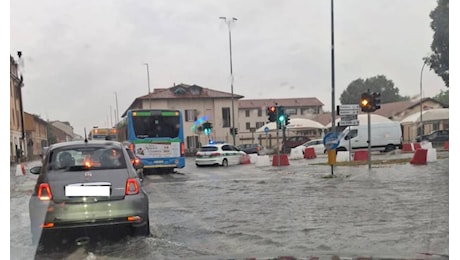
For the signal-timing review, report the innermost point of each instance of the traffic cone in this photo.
(420, 157)
(361, 155)
(23, 169)
(18, 170)
(407, 147)
(245, 159)
(309, 153)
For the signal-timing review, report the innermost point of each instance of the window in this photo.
(248, 112)
(192, 142)
(225, 117)
(259, 112)
(190, 115)
(291, 111)
(353, 133)
(259, 124)
(248, 125)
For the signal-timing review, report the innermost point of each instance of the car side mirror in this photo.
(35, 170)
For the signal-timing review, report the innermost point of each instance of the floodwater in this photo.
(398, 211)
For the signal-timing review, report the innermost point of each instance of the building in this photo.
(198, 102)
(252, 114)
(401, 110)
(60, 132)
(17, 130)
(36, 135)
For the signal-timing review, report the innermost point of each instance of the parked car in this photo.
(250, 148)
(75, 194)
(436, 137)
(136, 162)
(316, 144)
(294, 141)
(223, 154)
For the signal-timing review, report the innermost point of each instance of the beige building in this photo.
(36, 135)
(398, 111)
(17, 131)
(197, 102)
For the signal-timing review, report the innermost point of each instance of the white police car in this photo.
(222, 154)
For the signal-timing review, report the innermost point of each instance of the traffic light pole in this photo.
(369, 139)
(277, 135)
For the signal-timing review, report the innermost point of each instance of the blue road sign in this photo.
(331, 141)
(266, 129)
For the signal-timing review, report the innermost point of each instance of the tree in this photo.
(388, 92)
(439, 59)
(443, 97)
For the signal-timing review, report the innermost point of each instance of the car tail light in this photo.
(44, 192)
(131, 147)
(132, 187)
(47, 225)
(135, 161)
(214, 154)
(182, 149)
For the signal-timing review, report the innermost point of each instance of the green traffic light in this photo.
(281, 118)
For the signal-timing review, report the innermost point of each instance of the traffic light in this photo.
(286, 120)
(271, 113)
(207, 128)
(281, 115)
(233, 131)
(376, 100)
(366, 102)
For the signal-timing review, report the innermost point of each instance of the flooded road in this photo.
(394, 211)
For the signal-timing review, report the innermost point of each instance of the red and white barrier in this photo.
(20, 169)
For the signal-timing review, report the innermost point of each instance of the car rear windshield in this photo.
(208, 149)
(85, 158)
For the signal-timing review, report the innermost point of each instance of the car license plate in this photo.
(83, 191)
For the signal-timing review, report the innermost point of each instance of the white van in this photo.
(385, 137)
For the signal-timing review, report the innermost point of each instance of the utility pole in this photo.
(231, 71)
(116, 104)
(148, 85)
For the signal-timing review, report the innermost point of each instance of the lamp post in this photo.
(229, 21)
(116, 104)
(148, 83)
(421, 99)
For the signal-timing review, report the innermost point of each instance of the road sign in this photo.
(331, 141)
(348, 122)
(347, 109)
(348, 117)
(266, 129)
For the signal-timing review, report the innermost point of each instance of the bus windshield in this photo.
(156, 126)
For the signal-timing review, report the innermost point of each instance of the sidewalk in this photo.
(27, 165)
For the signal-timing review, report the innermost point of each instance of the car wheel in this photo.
(197, 165)
(389, 148)
(225, 163)
(143, 230)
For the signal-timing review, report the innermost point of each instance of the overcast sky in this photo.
(80, 55)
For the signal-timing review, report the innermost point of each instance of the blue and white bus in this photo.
(156, 136)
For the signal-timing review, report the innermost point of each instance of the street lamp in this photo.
(229, 21)
(148, 83)
(421, 98)
(116, 103)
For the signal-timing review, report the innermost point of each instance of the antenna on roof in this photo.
(86, 137)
